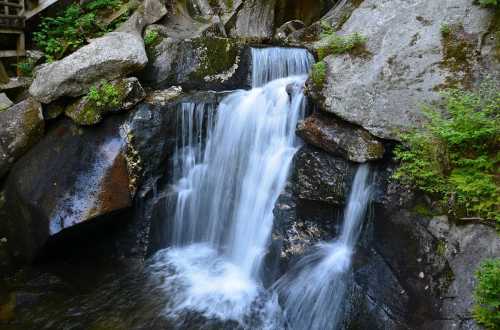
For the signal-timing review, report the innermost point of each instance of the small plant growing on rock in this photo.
(486, 310)
(25, 68)
(336, 44)
(445, 29)
(455, 156)
(318, 74)
(104, 95)
(151, 37)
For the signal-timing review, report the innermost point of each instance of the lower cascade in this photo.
(314, 290)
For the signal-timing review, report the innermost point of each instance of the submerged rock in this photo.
(340, 138)
(21, 126)
(408, 65)
(88, 111)
(114, 55)
(322, 177)
(71, 176)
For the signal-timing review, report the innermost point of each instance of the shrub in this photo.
(318, 74)
(455, 156)
(62, 35)
(445, 29)
(104, 95)
(336, 44)
(486, 310)
(151, 37)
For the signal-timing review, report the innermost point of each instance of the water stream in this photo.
(227, 188)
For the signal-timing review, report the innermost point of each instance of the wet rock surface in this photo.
(322, 177)
(340, 138)
(114, 55)
(70, 177)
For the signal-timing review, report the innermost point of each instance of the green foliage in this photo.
(331, 43)
(105, 95)
(486, 310)
(25, 68)
(318, 74)
(61, 35)
(456, 155)
(151, 37)
(489, 2)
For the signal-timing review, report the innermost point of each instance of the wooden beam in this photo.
(41, 6)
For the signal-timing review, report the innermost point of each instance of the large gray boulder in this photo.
(339, 138)
(114, 55)
(409, 61)
(21, 126)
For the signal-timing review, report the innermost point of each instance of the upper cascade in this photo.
(272, 63)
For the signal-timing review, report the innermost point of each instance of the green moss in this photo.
(458, 56)
(100, 99)
(441, 248)
(217, 55)
(151, 38)
(423, 210)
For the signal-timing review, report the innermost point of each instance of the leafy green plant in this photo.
(455, 156)
(151, 37)
(318, 74)
(25, 68)
(336, 44)
(488, 2)
(104, 95)
(65, 33)
(486, 310)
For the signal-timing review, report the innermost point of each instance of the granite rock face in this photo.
(409, 63)
(114, 55)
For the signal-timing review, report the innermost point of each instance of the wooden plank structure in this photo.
(12, 21)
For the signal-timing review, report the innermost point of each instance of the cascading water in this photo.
(314, 290)
(226, 190)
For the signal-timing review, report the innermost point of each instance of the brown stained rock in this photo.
(340, 138)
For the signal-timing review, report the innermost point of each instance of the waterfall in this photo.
(273, 63)
(227, 188)
(314, 290)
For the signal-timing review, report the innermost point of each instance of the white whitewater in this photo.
(227, 188)
(313, 292)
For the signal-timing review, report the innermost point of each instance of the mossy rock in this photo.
(90, 111)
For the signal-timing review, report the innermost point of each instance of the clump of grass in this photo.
(318, 74)
(104, 95)
(336, 44)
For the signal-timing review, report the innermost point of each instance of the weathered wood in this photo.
(4, 77)
(42, 5)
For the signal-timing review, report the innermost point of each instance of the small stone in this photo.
(3, 240)
(419, 260)
(421, 275)
(426, 288)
